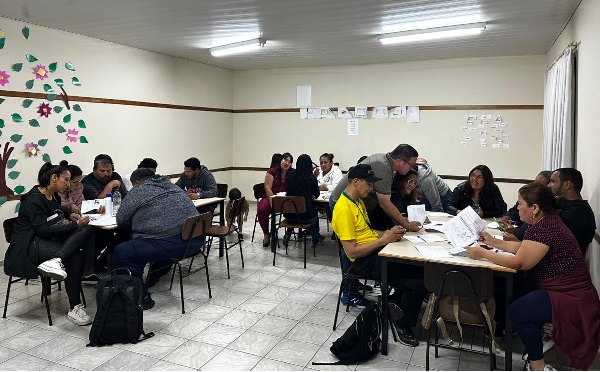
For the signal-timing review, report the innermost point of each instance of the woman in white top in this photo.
(329, 175)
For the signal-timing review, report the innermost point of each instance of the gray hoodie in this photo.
(432, 186)
(205, 183)
(155, 209)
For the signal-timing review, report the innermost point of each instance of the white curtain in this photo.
(559, 114)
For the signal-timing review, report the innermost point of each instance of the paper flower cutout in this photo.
(32, 149)
(44, 110)
(3, 77)
(72, 135)
(40, 72)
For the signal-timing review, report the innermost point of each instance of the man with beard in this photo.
(103, 180)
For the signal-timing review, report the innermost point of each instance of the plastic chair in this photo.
(292, 205)
(445, 280)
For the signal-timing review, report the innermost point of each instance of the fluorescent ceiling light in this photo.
(241, 47)
(432, 33)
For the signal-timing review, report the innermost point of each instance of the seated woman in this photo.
(329, 175)
(404, 190)
(562, 289)
(44, 239)
(71, 198)
(480, 192)
(302, 182)
(274, 183)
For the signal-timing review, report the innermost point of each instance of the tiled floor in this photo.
(264, 318)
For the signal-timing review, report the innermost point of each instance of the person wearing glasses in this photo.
(329, 175)
(404, 190)
(378, 203)
(480, 192)
(71, 198)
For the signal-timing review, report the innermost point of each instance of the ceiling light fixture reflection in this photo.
(241, 47)
(432, 33)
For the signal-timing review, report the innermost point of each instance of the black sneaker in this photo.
(406, 336)
(367, 287)
(147, 302)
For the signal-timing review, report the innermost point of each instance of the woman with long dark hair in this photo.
(302, 182)
(274, 183)
(480, 192)
(72, 197)
(404, 190)
(45, 240)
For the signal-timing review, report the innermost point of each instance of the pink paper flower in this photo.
(32, 149)
(3, 77)
(72, 135)
(44, 110)
(40, 72)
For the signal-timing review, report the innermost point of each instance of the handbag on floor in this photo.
(119, 317)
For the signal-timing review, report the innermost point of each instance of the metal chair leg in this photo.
(207, 276)
(227, 259)
(45, 296)
(337, 308)
(7, 294)
(180, 286)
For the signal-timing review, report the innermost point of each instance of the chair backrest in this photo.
(289, 204)
(259, 190)
(222, 190)
(9, 226)
(461, 281)
(236, 209)
(194, 227)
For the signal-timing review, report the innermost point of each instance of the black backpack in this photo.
(362, 339)
(119, 318)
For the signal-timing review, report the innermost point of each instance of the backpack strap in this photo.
(442, 327)
(491, 326)
(455, 307)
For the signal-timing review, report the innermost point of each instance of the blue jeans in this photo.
(528, 314)
(135, 254)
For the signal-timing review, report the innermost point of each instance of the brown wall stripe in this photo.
(12, 93)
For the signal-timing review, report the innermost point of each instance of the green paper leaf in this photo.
(31, 58)
(17, 118)
(59, 82)
(1, 42)
(83, 139)
(19, 189)
(46, 158)
(18, 206)
(67, 150)
(67, 119)
(1, 123)
(43, 142)
(70, 66)
(34, 123)
(16, 138)
(48, 88)
(60, 129)
(29, 84)
(3, 200)
(51, 97)
(52, 67)
(13, 175)
(25, 32)
(75, 81)
(1, 100)
(17, 67)
(81, 124)
(11, 163)
(58, 109)
(76, 107)
(27, 103)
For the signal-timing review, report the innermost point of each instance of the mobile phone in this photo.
(499, 222)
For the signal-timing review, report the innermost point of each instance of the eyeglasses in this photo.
(411, 182)
(476, 177)
(412, 165)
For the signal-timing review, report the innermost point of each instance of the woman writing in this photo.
(44, 239)
(274, 183)
(480, 192)
(562, 289)
(329, 175)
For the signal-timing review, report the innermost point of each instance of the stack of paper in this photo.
(433, 251)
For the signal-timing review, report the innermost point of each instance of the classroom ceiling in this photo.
(301, 33)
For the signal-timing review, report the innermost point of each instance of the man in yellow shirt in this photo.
(362, 245)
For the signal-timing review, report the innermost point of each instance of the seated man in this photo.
(102, 180)
(362, 244)
(576, 213)
(155, 210)
(198, 182)
(145, 163)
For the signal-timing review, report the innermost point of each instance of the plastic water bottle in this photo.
(108, 205)
(116, 198)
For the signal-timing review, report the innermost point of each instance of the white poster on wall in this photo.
(398, 112)
(303, 95)
(380, 112)
(352, 127)
(343, 113)
(413, 114)
(360, 112)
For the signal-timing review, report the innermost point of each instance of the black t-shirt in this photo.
(579, 218)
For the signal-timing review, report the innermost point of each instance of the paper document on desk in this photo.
(464, 229)
(493, 225)
(417, 213)
(90, 205)
(102, 220)
(424, 238)
(433, 251)
(437, 226)
(439, 214)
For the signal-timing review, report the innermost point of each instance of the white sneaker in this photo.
(53, 268)
(78, 316)
(547, 367)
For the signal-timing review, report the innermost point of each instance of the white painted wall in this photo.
(127, 133)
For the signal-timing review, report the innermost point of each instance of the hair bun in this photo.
(64, 163)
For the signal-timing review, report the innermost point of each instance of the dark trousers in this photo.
(106, 241)
(136, 253)
(407, 279)
(528, 314)
(71, 252)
